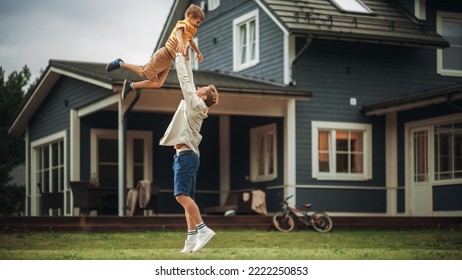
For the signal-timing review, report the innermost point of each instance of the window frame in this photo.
(345, 9)
(366, 129)
(237, 23)
(440, 18)
(32, 194)
(255, 133)
(97, 134)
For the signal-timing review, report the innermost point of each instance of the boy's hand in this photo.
(181, 49)
(199, 57)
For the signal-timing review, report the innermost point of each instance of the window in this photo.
(449, 60)
(448, 151)
(352, 6)
(48, 169)
(341, 151)
(246, 41)
(263, 153)
(105, 159)
(213, 4)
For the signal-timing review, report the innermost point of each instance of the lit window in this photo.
(352, 6)
(341, 151)
(449, 25)
(246, 42)
(263, 159)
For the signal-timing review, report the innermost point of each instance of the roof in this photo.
(388, 23)
(95, 73)
(223, 81)
(446, 94)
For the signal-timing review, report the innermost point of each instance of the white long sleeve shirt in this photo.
(186, 123)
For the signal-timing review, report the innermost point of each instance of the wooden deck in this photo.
(176, 222)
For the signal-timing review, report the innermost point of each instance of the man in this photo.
(183, 133)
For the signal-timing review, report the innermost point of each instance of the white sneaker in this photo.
(189, 246)
(202, 239)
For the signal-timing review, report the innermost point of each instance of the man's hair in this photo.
(195, 12)
(212, 96)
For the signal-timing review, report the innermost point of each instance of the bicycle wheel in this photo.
(283, 222)
(321, 222)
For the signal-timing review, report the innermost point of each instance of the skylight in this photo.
(352, 6)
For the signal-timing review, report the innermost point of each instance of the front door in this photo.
(420, 183)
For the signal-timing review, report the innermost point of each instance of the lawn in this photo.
(236, 245)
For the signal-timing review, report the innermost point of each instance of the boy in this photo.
(156, 70)
(183, 133)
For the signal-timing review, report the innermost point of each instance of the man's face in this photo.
(201, 92)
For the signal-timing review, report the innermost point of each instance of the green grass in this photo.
(237, 245)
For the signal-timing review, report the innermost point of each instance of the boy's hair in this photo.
(195, 12)
(212, 96)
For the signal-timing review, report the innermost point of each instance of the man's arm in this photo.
(184, 77)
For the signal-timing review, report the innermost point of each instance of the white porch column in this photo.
(290, 152)
(224, 127)
(74, 146)
(391, 161)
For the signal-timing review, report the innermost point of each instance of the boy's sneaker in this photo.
(188, 246)
(114, 65)
(126, 89)
(202, 239)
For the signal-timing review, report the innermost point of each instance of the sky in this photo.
(34, 31)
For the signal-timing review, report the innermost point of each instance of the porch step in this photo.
(177, 222)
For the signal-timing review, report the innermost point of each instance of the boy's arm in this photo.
(199, 56)
(179, 37)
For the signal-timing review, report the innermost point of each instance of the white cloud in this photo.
(34, 31)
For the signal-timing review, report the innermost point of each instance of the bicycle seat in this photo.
(307, 205)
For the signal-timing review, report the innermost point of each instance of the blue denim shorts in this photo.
(185, 167)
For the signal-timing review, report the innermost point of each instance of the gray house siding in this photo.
(215, 37)
(53, 114)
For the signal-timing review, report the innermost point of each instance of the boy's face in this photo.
(194, 21)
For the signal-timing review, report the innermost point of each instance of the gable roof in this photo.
(447, 94)
(389, 22)
(95, 73)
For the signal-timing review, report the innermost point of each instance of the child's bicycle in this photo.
(283, 220)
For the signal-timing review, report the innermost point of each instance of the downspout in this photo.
(123, 157)
(297, 56)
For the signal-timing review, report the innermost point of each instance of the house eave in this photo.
(423, 99)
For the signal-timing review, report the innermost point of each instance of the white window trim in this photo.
(131, 135)
(254, 132)
(236, 23)
(439, 52)
(420, 9)
(332, 175)
(34, 145)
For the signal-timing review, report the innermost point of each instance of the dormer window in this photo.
(351, 6)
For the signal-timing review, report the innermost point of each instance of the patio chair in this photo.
(54, 200)
(82, 199)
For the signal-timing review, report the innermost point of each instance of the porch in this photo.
(177, 223)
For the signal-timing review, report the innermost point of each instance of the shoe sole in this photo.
(205, 243)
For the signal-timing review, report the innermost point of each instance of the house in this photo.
(353, 105)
